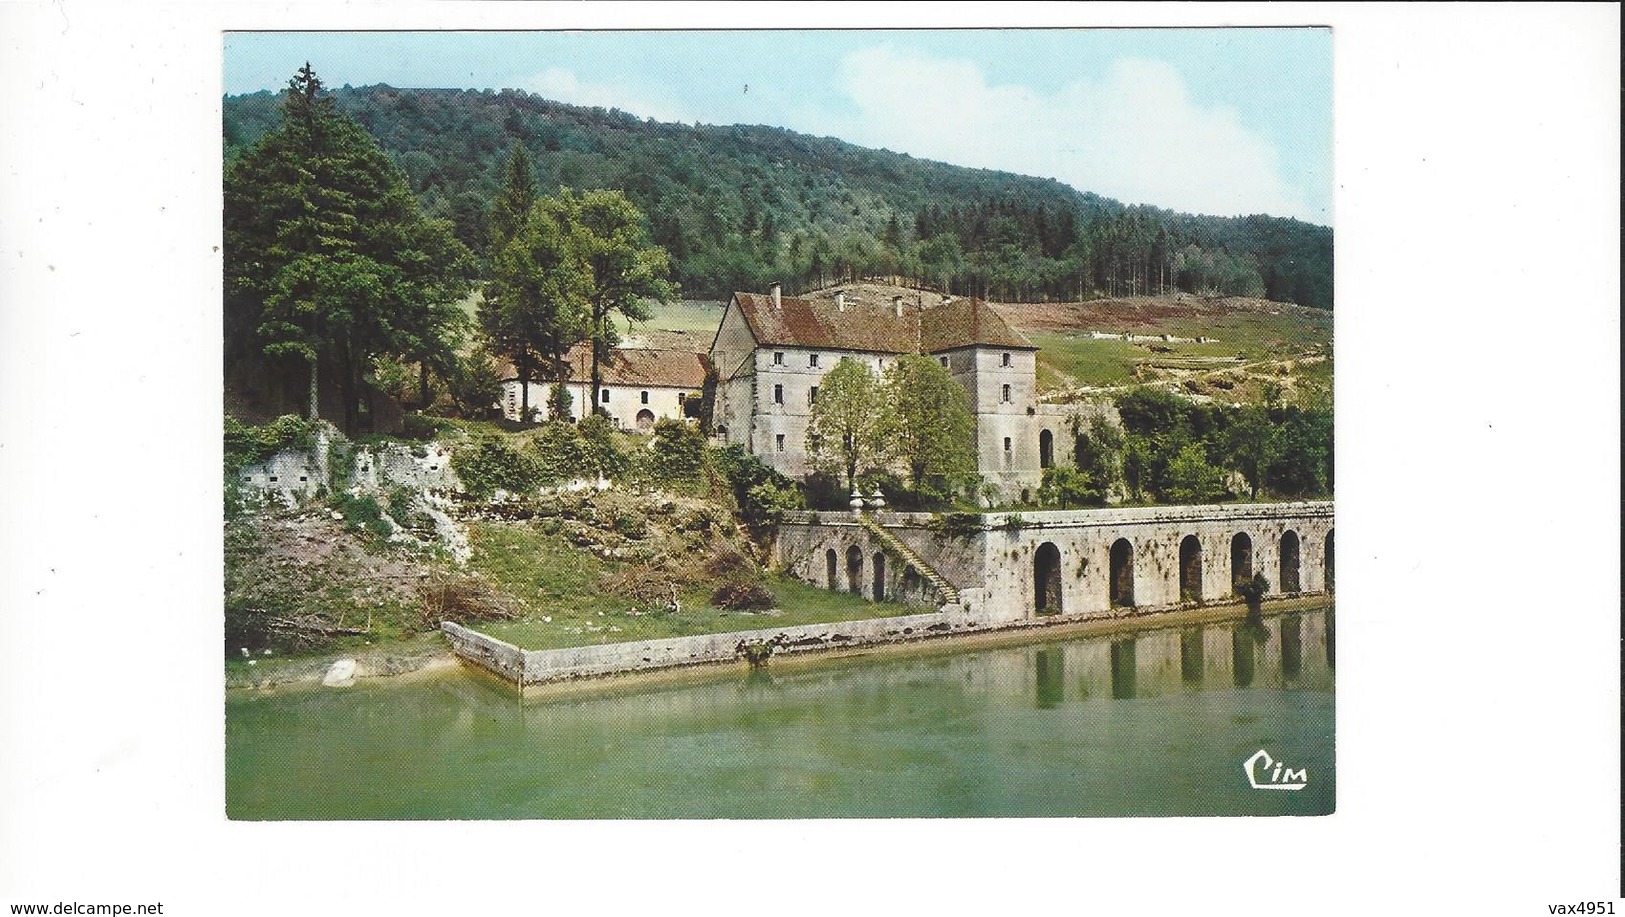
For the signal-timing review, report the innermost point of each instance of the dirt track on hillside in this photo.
(1133, 311)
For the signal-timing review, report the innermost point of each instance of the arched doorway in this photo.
(1046, 449)
(879, 593)
(1330, 579)
(1190, 569)
(1047, 580)
(911, 582)
(1289, 562)
(854, 570)
(830, 572)
(1122, 570)
(1241, 558)
(645, 420)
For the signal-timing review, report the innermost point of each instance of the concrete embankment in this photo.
(530, 668)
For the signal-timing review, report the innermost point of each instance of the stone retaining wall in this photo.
(533, 667)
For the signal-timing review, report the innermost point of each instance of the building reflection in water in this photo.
(1051, 674)
(1241, 656)
(1123, 668)
(1291, 645)
(1190, 655)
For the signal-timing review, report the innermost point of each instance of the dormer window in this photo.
(1004, 359)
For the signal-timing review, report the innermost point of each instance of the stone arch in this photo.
(1190, 569)
(722, 432)
(1330, 579)
(879, 593)
(831, 571)
(1241, 558)
(854, 570)
(1290, 581)
(1047, 596)
(1046, 449)
(1122, 573)
(645, 420)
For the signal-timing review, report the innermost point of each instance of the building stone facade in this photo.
(637, 386)
(771, 352)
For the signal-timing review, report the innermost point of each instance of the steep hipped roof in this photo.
(671, 368)
(874, 327)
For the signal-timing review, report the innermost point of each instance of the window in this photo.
(778, 358)
(1007, 444)
(1004, 392)
(778, 442)
(943, 361)
(812, 359)
(812, 395)
(645, 397)
(1004, 359)
(778, 394)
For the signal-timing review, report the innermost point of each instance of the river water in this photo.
(1157, 722)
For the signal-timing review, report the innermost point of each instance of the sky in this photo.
(1218, 121)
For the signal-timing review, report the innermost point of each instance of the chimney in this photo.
(897, 305)
(840, 300)
(773, 293)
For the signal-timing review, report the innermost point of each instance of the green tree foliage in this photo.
(475, 385)
(738, 206)
(1285, 451)
(926, 423)
(1251, 444)
(1192, 479)
(535, 304)
(679, 451)
(762, 493)
(1066, 488)
(844, 434)
(328, 259)
(1097, 451)
(623, 267)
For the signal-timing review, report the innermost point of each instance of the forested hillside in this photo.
(740, 206)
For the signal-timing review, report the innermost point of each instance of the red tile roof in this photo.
(874, 327)
(630, 366)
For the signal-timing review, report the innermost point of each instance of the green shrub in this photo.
(559, 452)
(490, 464)
(1065, 488)
(679, 451)
(743, 596)
(601, 455)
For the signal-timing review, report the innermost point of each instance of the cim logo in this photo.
(1266, 773)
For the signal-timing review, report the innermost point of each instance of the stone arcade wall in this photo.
(994, 567)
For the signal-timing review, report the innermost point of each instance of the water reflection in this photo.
(1190, 655)
(1331, 638)
(1291, 645)
(949, 734)
(1241, 656)
(1123, 668)
(1050, 667)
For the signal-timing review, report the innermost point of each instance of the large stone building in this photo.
(636, 386)
(771, 352)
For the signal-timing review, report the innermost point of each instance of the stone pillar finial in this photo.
(856, 502)
(877, 500)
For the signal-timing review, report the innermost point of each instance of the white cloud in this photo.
(1135, 136)
(562, 85)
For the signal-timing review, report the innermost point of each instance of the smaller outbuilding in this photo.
(636, 386)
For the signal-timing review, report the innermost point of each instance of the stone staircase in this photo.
(947, 595)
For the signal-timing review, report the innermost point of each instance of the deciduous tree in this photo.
(926, 423)
(843, 437)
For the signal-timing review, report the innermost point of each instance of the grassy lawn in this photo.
(554, 579)
(689, 316)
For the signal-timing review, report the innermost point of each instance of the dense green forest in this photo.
(737, 207)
